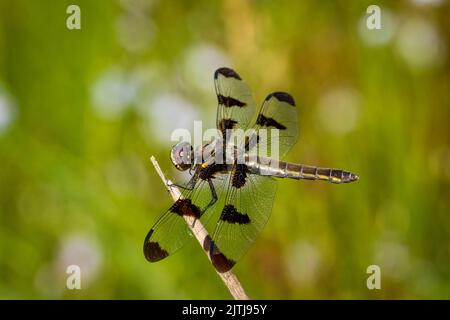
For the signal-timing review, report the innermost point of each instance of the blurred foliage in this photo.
(81, 111)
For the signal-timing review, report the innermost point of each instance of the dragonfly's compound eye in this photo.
(182, 155)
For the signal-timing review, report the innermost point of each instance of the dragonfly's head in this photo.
(182, 155)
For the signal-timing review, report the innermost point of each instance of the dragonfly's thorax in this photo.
(209, 171)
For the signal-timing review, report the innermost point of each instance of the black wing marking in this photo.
(235, 102)
(277, 112)
(244, 213)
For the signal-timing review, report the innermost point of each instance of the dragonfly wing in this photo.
(171, 231)
(236, 106)
(244, 213)
(277, 112)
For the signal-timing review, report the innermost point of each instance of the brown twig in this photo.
(197, 228)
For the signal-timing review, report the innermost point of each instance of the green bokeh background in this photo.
(81, 111)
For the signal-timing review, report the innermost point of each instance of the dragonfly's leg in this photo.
(185, 187)
(189, 186)
(213, 196)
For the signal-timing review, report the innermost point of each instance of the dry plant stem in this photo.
(197, 228)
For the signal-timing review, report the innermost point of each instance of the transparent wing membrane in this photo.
(236, 106)
(277, 112)
(244, 213)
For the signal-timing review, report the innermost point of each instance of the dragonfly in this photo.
(237, 196)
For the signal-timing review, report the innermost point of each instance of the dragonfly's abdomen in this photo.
(282, 169)
(300, 171)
